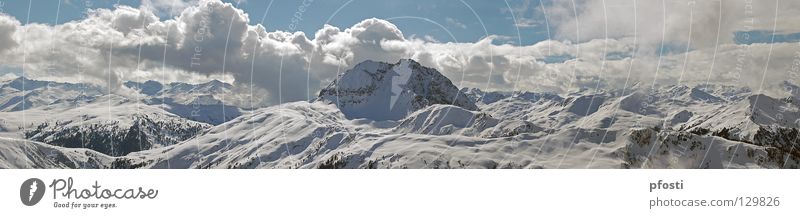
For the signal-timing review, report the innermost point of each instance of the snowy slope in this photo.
(744, 119)
(206, 109)
(24, 154)
(404, 115)
(279, 136)
(318, 135)
(651, 148)
(452, 120)
(112, 125)
(315, 135)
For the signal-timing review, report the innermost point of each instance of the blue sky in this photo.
(467, 20)
(414, 17)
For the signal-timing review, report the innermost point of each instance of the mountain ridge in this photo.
(405, 115)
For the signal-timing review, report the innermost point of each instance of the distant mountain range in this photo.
(396, 115)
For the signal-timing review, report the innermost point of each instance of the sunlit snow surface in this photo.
(405, 115)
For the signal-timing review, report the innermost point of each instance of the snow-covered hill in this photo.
(21, 93)
(317, 135)
(109, 124)
(213, 102)
(24, 154)
(452, 120)
(404, 115)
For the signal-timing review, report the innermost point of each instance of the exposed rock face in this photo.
(383, 91)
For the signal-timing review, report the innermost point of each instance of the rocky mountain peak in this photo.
(385, 91)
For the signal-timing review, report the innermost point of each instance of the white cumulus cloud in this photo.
(210, 39)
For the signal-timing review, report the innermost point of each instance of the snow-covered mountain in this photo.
(404, 115)
(208, 93)
(109, 124)
(82, 116)
(383, 91)
(212, 102)
(21, 93)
